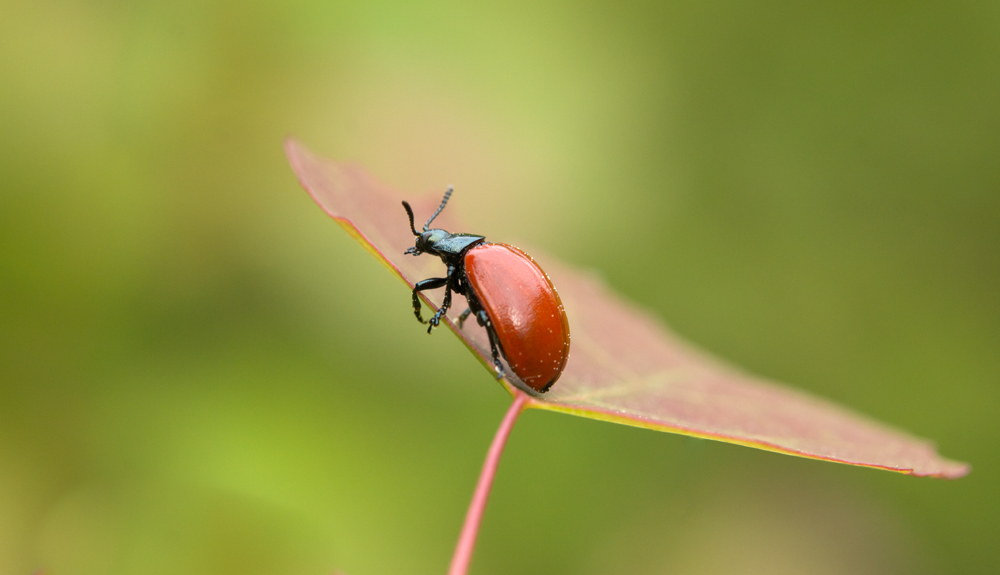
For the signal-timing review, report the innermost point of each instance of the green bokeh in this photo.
(201, 373)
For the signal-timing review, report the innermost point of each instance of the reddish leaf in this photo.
(624, 366)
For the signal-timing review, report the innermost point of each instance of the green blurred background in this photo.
(201, 373)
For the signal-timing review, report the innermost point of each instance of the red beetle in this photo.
(508, 293)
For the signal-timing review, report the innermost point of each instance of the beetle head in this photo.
(427, 239)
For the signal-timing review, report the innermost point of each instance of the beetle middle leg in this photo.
(431, 283)
(465, 314)
(449, 286)
(434, 321)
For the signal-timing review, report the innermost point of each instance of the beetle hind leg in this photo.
(484, 320)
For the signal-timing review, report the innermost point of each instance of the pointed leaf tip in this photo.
(624, 366)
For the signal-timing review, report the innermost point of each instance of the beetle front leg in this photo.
(436, 320)
(431, 283)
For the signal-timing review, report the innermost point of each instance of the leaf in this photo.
(624, 366)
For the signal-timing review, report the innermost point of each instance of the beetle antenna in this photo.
(447, 195)
(409, 212)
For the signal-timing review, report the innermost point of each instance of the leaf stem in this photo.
(474, 516)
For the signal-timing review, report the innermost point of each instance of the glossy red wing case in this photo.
(525, 309)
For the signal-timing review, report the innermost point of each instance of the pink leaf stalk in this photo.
(474, 516)
(624, 366)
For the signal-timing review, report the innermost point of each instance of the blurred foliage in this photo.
(201, 373)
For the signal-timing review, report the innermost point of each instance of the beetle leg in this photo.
(431, 283)
(484, 320)
(436, 320)
(441, 310)
(465, 314)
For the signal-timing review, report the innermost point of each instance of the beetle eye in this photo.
(423, 244)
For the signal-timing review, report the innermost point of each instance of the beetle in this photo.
(509, 294)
